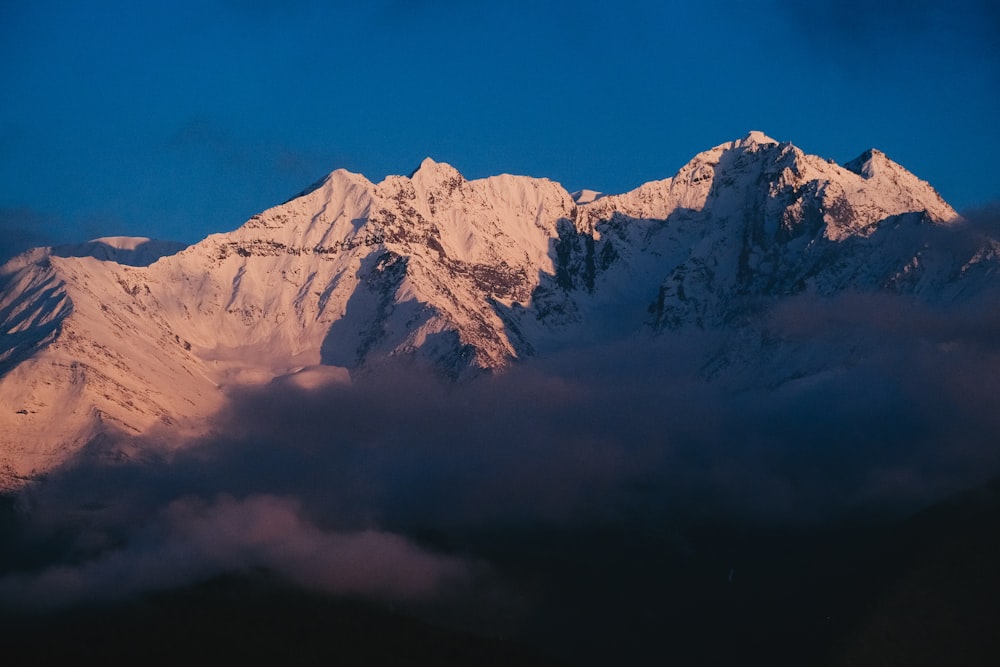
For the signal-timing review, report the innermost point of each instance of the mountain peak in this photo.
(756, 138)
(868, 163)
(427, 163)
(432, 170)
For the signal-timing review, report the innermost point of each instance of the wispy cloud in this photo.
(193, 540)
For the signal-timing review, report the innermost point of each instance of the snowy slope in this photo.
(83, 354)
(133, 337)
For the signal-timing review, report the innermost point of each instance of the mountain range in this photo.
(120, 337)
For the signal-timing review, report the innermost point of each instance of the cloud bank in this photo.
(193, 540)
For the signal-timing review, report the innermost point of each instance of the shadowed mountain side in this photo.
(353, 335)
(578, 303)
(32, 310)
(377, 325)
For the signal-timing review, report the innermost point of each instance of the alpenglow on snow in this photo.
(129, 337)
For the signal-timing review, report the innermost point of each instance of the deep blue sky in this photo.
(178, 119)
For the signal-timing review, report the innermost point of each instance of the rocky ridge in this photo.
(469, 276)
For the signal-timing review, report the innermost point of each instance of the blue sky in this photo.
(175, 120)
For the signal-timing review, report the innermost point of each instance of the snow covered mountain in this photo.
(141, 338)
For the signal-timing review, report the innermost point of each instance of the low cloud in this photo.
(193, 540)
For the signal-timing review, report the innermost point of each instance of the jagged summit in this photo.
(467, 275)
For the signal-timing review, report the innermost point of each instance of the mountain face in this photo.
(138, 338)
